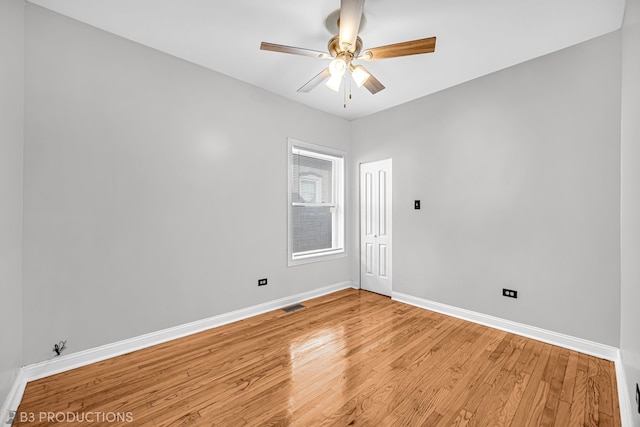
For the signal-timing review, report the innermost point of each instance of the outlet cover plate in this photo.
(509, 293)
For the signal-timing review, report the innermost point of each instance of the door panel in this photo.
(382, 256)
(375, 226)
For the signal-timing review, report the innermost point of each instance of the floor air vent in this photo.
(293, 308)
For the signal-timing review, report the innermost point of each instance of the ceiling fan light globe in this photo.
(359, 75)
(334, 82)
(337, 67)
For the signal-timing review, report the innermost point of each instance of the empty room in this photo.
(335, 212)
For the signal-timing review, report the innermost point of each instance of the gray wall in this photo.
(630, 206)
(518, 174)
(11, 142)
(155, 190)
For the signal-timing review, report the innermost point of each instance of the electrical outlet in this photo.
(509, 293)
(262, 282)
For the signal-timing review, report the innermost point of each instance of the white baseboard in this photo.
(602, 351)
(626, 410)
(13, 398)
(82, 358)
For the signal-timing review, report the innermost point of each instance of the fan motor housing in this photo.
(335, 50)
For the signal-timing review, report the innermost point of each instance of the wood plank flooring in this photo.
(348, 358)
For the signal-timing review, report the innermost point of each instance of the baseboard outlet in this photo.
(82, 358)
(591, 348)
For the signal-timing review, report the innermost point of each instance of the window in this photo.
(316, 202)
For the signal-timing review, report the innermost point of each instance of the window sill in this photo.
(317, 258)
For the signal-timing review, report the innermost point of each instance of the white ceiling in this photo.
(474, 38)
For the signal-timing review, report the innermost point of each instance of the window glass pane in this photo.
(310, 188)
(312, 180)
(311, 226)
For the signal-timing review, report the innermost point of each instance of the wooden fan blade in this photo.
(372, 84)
(350, 16)
(293, 50)
(315, 81)
(413, 47)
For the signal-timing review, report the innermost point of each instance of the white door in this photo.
(375, 226)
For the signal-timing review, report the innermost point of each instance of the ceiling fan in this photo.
(346, 47)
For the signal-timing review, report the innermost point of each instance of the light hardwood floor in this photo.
(348, 358)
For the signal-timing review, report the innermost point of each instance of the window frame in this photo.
(338, 233)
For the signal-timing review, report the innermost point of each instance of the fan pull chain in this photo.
(344, 94)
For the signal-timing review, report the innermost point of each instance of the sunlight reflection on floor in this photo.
(311, 357)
